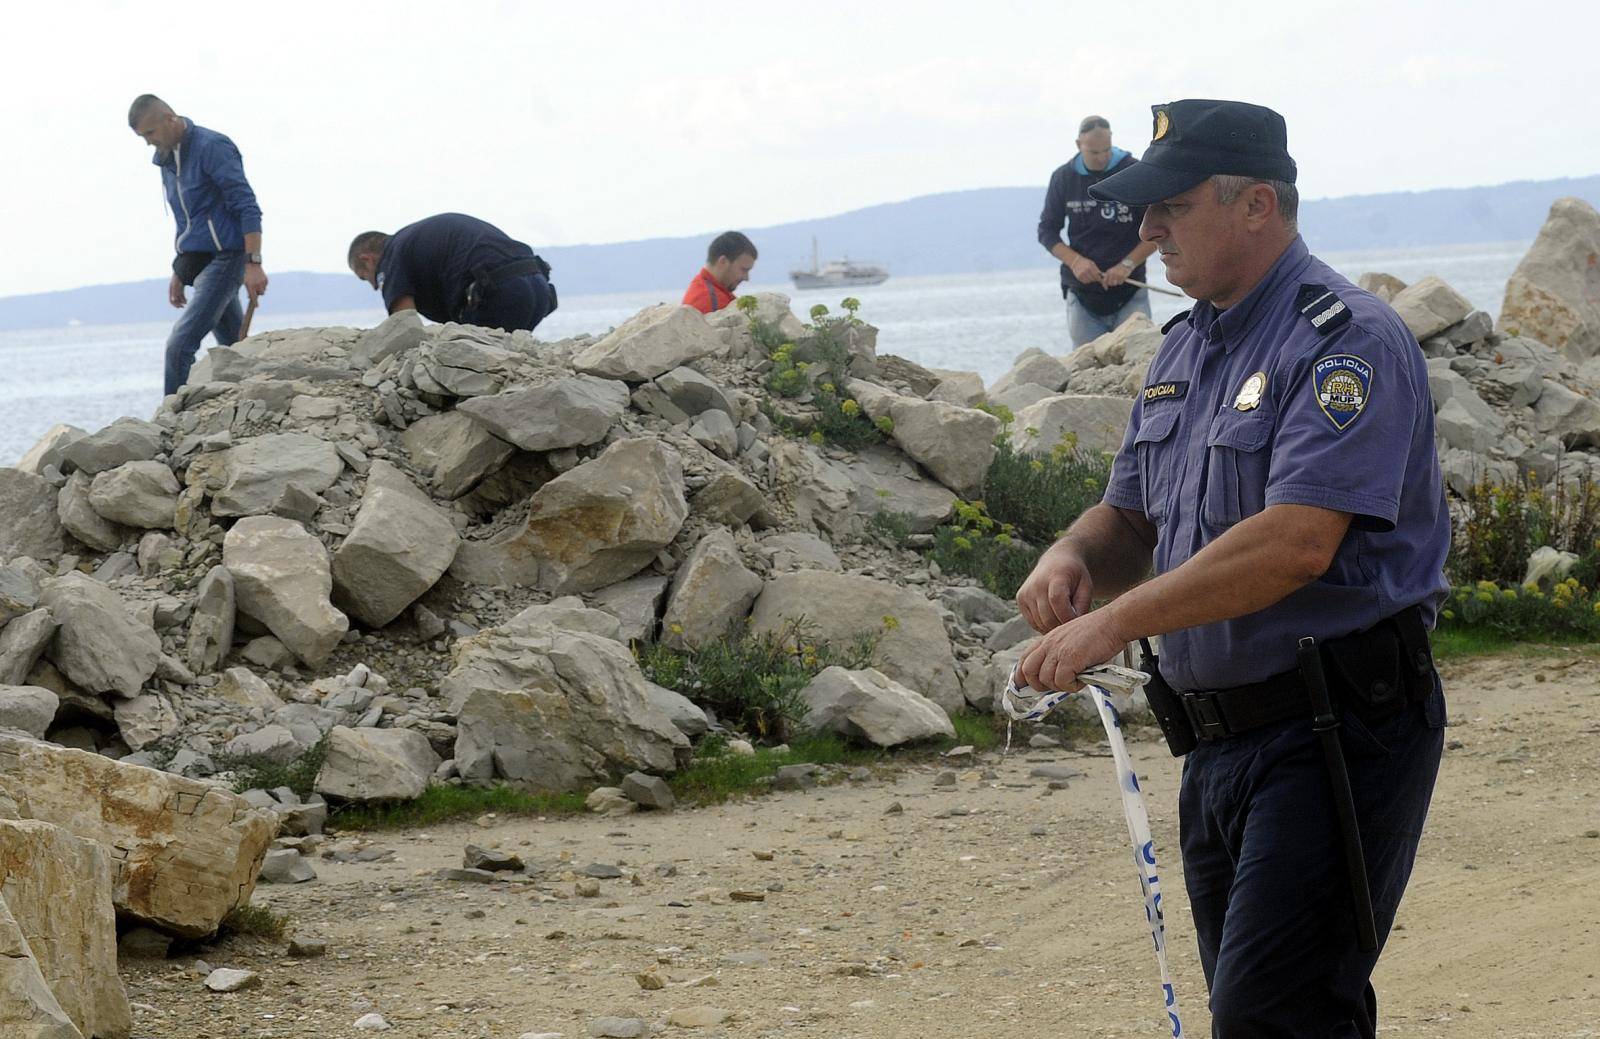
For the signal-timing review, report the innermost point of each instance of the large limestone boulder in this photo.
(711, 592)
(376, 765)
(914, 649)
(1033, 367)
(1554, 294)
(282, 579)
(19, 594)
(870, 706)
(27, 708)
(459, 367)
(729, 497)
(125, 440)
(952, 443)
(1096, 423)
(50, 448)
(1568, 416)
(136, 494)
(570, 412)
(22, 642)
(653, 341)
(592, 526)
(263, 473)
(211, 621)
(1132, 343)
(79, 518)
(400, 544)
(958, 387)
(551, 709)
(886, 482)
(29, 523)
(455, 451)
(28, 1009)
(1430, 306)
(399, 333)
(99, 643)
(636, 604)
(185, 854)
(57, 888)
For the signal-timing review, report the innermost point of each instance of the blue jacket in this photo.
(208, 193)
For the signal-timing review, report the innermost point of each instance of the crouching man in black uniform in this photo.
(454, 267)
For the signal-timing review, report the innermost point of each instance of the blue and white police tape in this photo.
(1023, 704)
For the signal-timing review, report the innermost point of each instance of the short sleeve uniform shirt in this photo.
(1309, 391)
(433, 261)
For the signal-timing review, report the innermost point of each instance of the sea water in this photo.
(89, 375)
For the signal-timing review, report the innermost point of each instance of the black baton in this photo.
(1326, 727)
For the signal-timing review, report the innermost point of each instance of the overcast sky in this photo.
(603, 121)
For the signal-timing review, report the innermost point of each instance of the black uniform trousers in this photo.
(517, 302)
(1265, 869)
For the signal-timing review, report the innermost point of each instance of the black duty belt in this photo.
(1218, 714)
(485, 279)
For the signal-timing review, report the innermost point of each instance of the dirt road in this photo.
(991, 907)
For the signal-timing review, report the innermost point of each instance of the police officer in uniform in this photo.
(1279, 474)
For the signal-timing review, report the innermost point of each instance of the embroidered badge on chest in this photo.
(1343, 384)
(1250, 394)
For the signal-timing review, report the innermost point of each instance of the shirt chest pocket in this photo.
(1237, 459)
(1158, 460)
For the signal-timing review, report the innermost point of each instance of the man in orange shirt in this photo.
(728, 264)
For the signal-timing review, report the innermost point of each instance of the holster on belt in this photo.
(1165, 704)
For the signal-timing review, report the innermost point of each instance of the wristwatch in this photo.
(1126, 263)
(254, 258)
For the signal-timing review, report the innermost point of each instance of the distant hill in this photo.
(988, 229)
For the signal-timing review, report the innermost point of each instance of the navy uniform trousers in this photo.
(1265, 869)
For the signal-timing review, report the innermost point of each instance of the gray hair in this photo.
(1230, 187)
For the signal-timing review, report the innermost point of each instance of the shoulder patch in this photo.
(1165, 391)
(1173, 320)
(1325, 310)
(1343, 385)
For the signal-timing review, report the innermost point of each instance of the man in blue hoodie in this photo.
(218, 244)
(1103, 249)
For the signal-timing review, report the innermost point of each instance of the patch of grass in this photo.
(895, 526)
(979, 731)
(714, 778)
(253, 772)
(255, 922)
(443, 803)
(1465, 643)
(753, 681)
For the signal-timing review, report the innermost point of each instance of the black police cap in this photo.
(1196, 139)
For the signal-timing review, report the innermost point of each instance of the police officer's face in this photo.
(1200, 241)
(1095, 147)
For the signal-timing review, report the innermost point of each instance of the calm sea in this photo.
(88, 375)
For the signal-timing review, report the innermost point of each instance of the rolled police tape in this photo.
(1021, 704)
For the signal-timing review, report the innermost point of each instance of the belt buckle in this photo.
(1205, 716)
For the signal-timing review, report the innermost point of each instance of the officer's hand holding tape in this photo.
(1055, 599)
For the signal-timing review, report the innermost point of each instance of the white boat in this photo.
(838, 274)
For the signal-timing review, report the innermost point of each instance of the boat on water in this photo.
(838, 274)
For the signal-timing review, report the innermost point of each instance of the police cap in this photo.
(1196, 139)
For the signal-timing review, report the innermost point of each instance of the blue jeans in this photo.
(1264, 865)
(213, 307)
(1084, 324)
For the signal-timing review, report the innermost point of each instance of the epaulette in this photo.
(1173, 320)
(1325, 310)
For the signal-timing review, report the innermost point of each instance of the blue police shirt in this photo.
(1309, 391)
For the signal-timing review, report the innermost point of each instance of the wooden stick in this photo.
(1152, 288)
(249, 312)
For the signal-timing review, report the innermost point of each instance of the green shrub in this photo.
(253, 772)
(255, 921)
(839, 419)
(980, 546)
(894, 526)
(1042, 494)
(1498, 526)
(1568, 609)
(753, 681)
(443, 802)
